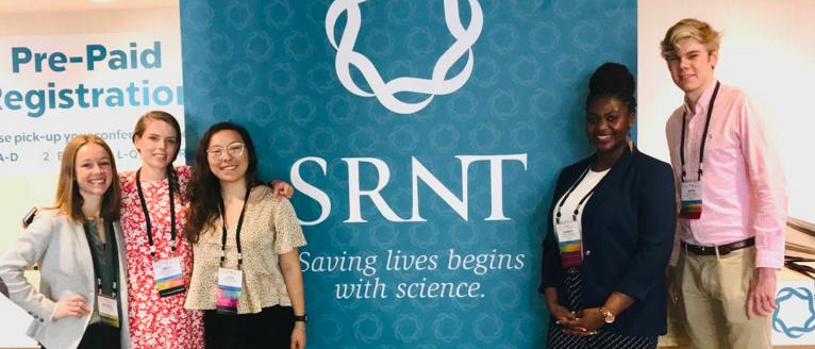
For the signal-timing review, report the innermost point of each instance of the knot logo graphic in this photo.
(385, 91)
(794, 331)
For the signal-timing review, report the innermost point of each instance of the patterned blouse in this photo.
(157, 322)
(270, 228)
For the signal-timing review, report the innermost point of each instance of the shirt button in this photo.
(41, 320)
(588, 252)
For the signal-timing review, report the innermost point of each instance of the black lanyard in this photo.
(579, 204)
(173, 242)
(704, 136)
(110, 249)
(237, 230)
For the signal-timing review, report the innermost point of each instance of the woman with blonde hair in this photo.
(78, 247)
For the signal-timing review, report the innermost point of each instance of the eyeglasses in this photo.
(234, 149)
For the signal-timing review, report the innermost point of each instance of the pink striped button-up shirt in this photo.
(743, 187)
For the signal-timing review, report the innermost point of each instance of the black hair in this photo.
(204, 192)
(613, 80)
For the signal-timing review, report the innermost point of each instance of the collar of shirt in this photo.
(701, 105)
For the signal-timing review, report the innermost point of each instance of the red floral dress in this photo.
(155, 322)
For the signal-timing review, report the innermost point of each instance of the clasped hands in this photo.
(584, 322)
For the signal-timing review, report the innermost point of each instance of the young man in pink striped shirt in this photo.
(733, 200)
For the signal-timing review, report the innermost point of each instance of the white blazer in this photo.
(61, 251)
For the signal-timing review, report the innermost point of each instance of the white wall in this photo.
(768, 50)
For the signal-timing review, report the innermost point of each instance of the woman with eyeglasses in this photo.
(246, 271)
(154, 214)
(81, 301)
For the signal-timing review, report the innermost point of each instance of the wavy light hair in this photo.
(689, 28)
(68, 199)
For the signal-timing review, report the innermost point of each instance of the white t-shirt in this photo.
(588, 183)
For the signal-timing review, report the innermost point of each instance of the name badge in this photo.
(568, 232)
(570, 242)
(169, 280)
(108, 310)
(230, 284)
(691, 200)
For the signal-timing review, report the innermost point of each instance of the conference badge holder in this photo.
(169, 280)
(569, 236)
(691, 200)
(229, 290)
(108, 310)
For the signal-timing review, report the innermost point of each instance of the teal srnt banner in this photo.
(423, 138)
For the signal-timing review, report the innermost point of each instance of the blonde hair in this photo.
(68, 199)
(689, 28)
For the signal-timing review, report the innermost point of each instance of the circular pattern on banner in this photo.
(239, 15)
(447, 327)
(281, 78)
(407, 328)
(368, 328)
(278, 14)
(241, 79)
(394, 81)
(488, 327)
(284, 141)
(259, 46)
(503, 39)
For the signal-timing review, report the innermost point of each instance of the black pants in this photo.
(271, 328)
(98, 336)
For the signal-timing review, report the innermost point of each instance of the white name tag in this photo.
(230, 278)
(167, 268)
(691, 191)
(107, 307)
(568, 232)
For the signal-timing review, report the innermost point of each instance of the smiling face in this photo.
(224, 162)
(158, 145)
(94, 171)
(692, 67)
(608, 121)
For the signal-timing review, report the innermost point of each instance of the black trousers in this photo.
(271, 328)
(98, 336)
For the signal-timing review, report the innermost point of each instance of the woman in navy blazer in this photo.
(604, 278)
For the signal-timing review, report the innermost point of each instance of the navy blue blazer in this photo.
(628, 230)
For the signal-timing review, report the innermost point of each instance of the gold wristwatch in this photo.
(608, 317)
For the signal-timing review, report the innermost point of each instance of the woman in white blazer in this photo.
(78, 247)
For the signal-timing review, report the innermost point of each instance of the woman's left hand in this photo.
(298, 336)
(281, 188)
(587, 323)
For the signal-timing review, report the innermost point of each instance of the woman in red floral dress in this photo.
(154, 249)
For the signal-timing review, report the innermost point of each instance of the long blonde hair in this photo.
(68, 200)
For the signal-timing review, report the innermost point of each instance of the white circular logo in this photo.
(385, 91)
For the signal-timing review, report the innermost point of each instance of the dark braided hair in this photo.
(613, 80)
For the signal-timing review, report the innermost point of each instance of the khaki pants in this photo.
(713, 297)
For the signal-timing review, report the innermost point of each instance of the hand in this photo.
(281, 188)
(298, 336)
(673, 286)
(561, 314)
(74, 305)
(587, 323)
(761, 298)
